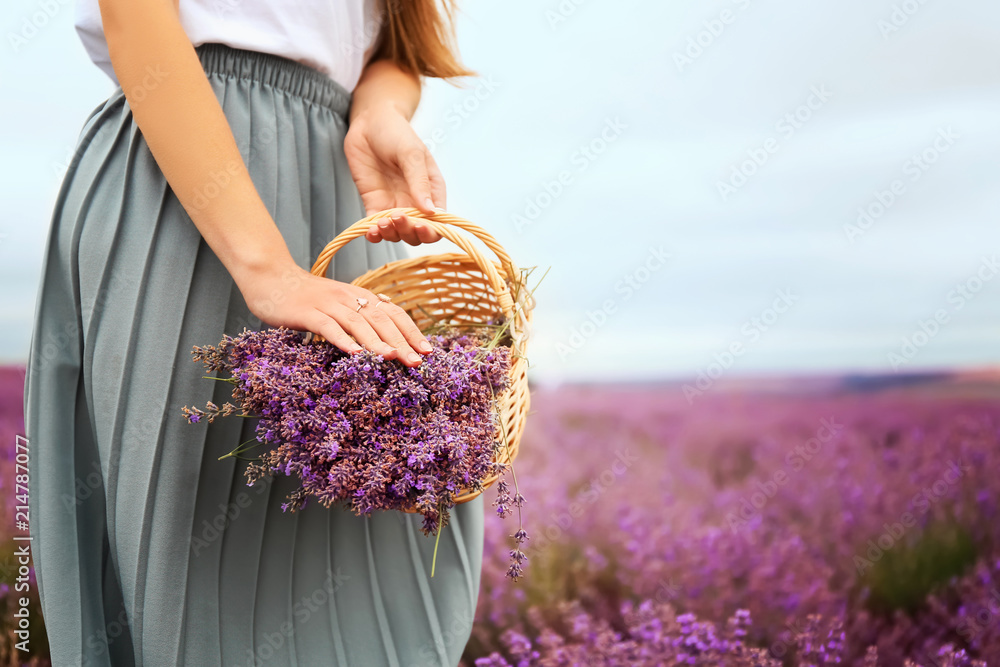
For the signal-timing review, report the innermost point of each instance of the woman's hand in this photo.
(393, 169)
(284, 294)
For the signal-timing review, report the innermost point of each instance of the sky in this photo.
(734, 187)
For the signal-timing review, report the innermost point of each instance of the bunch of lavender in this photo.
(368, 431)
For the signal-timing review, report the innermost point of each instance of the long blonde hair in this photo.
(418, 35)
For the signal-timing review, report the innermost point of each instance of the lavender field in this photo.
(779, 522)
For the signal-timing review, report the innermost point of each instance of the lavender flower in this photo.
(632, 491)
(363, 430)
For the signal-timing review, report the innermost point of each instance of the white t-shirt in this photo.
(335, 37)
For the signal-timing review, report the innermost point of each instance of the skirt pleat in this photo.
(148, 550)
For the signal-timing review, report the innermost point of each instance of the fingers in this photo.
(386, 330)
(357, 325)
(396, 328)
(328, 328)
(413, 164)
(438, 191)
(413, 231)
(426, 190)
(406, 326)
(376, 201)
(385, 229)
(424, 232)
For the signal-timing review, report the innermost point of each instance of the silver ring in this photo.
(362, 302)
(382, 298)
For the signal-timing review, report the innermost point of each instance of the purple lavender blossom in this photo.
(637, 499)
(364, 430)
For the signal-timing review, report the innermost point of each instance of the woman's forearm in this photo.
(187, 132)
(383, 82)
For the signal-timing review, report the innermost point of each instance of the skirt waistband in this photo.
(275, 71)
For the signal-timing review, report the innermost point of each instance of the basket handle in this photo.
(444, 224)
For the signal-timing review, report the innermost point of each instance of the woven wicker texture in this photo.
(457, 288)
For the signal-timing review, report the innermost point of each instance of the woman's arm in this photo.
(391, 165)
(187, 132)
(189, 136)
(383, 82)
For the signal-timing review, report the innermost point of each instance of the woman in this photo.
(238, 142)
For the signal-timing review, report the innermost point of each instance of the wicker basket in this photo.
(457, 288)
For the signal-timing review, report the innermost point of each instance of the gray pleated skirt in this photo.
(148, 550)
